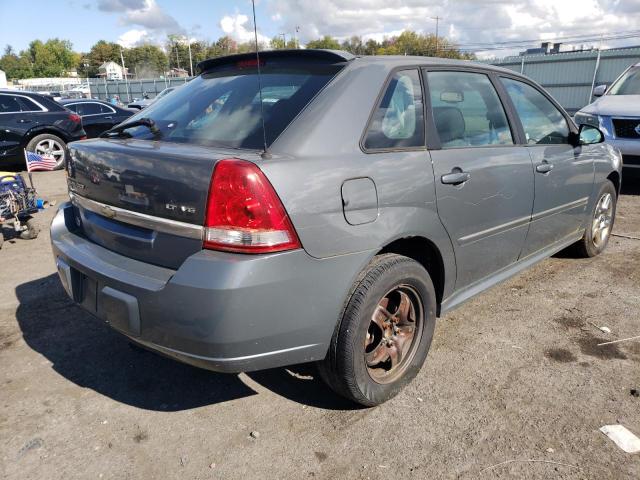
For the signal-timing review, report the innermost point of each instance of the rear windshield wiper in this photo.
(145, 122)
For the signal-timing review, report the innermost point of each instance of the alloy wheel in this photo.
(51, 148)
(393, 334)
(602, 220)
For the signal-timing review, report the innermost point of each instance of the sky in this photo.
(467, 22)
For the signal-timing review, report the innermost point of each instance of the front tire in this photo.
(385, 332)
(599, 223)
(48, 144)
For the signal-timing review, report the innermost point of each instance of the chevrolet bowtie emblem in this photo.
(108, 212)
(637, 129)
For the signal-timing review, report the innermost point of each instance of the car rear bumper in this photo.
(220, 311)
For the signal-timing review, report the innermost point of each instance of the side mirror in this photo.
(599, 90)
(590, 135)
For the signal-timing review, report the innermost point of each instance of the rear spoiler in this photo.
(321, 56)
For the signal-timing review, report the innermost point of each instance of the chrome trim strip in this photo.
(93, 103)
(518, 222)
(11, 94)
(581, 202)
(494, 230)
(173, 227)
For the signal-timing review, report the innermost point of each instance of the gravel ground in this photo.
(514, 387)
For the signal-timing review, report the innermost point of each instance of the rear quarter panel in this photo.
(322, 152)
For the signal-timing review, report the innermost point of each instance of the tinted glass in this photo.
(398, 122)
(105, 109)
(9, 104)
(73, 107)
(88, 109)
(542, 121)
(629, 83)
(467, 110)
(223, 108)
(27, 105)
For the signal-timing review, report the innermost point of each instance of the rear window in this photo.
(222, 108)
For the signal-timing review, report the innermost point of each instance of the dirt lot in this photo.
(514, 387)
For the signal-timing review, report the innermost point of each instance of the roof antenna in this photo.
(264, 154)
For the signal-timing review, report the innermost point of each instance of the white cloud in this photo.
(134, 37)
(464, 21)
(240, 29)
(154, 21)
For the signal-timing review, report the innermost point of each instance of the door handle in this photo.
(456, 177)
(108, 118)
(24, 120)
(544, 167)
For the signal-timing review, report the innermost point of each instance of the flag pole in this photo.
(28, 171)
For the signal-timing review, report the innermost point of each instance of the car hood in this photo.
(612, 105)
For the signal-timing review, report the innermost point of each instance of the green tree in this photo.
(145, 61)
(327, 42)
(53, 58)
(278, 43)
(102, 51)
(16, 67)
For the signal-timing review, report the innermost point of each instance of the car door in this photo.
(484, 180)
(563, 176)
(11, 130)
(94, 120)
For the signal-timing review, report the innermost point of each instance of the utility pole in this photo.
(437, 19)
(190, 60)
(284, 39)
(124, 72)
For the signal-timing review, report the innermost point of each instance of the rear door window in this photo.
(27, 105)
(542, 121)
(467, 110)
(223, 108)
(398, 121)
(9, 104)
(90, 109)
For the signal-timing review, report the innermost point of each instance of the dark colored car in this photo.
(330, 215)
(36, 123)
(97, 116)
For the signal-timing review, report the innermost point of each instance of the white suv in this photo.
(617, 114)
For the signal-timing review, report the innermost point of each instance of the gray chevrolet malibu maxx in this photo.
(316, 206)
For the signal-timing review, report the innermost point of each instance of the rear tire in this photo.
(599, 223)
(385, 332)
(48, 143)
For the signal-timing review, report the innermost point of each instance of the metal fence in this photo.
(571, 76)
(130, 89)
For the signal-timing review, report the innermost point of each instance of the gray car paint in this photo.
(237, 312)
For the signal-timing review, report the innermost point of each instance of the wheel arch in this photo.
(426, 253)
(41, 131)
(614, 177)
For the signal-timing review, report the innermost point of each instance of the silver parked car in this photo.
(144, 102)
(326, 210)
(617, 113)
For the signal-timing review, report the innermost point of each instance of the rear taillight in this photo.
(75, 118)
(244, 213)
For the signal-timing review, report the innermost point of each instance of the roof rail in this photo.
(327, 56)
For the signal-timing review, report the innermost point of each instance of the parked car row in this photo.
(330, 215)
(46, 122)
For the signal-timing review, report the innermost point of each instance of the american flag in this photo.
(36, 162)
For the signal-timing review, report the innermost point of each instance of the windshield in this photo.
(164, 92)
(222, 108)
(628, 84)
